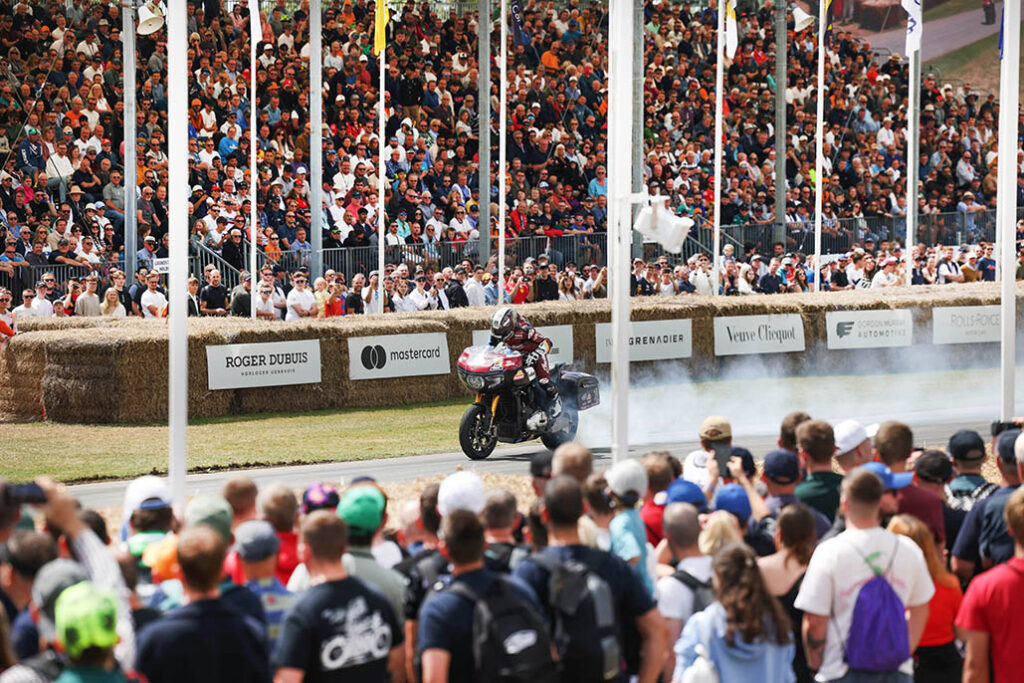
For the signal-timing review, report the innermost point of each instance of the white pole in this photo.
(255, 34)
(620, 125)
(381, 179)
(485, 129)
(178, 192)
(819, 143)
(1006, 199)
(719, 115)
(316, 147)
(130, 226)
(913, 144)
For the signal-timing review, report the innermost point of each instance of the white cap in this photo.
(849, 434)
(461, 491)
(627, 477)
(1018, 448)
(145, 489)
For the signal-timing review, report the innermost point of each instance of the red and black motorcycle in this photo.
(507, 395)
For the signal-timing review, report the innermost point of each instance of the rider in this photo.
(513, 330)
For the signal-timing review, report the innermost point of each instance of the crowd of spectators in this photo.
(62, 139)
(847, 547)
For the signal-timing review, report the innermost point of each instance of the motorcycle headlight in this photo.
(475, 382)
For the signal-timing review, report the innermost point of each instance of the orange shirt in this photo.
(942, 611)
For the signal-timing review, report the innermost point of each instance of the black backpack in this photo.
(510, 640)
(703, 595)
(504, 557)
(583, 611)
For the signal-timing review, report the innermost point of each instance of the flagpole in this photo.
(720, 114)
(255, 35)
(819, 142)
(380, 27)
(913, 144)
(620, 126)
(177, 324)
(502, 146)
(382, 229)
(1006, 201)
(316, 132)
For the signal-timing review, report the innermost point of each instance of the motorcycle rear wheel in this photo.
(475, 434)
(553, 440)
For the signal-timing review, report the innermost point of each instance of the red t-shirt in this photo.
(287, 555)
(992, 605)
(941, 612)
(652, 515)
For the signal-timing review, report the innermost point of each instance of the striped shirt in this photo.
(276, 600)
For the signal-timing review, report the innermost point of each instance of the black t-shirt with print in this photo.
(339, 631)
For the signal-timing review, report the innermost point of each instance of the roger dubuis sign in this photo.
(270, 364)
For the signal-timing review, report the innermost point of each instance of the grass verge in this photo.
(76, 453)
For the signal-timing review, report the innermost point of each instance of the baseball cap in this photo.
(144, 493)
(362, 508)
(540, 464)
(86, 617)
(890, 480)
(685, 491)
(966, 444)
(749, 467)
(255, 540)
(628, 480)
(461, 491)
(849, 434)
(782, 466)
(319, 496)
(213, 511)
(934, 466)
(715, 428)
(1006, 446)
(53, 579)
(732, 498)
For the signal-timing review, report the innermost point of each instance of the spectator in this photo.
(936, 657)
(701, 466)
(990, 617)
(659, 476)
(313, 645)
(820, 487)
(627, 483)
(933, 470)
(257, 547)
(853, 447)
(745, 632)
(863, 551)
(894, 443)
(967, 449)
(204, 640)
(499, 516)
(641, 648)
(278, 505)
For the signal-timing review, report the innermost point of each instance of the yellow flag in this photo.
(380, 27)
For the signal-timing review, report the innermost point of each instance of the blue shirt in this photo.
(629, 541)
(276, 600)
(743, 661)
(972, 532)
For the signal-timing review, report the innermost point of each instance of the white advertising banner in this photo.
(648, 340)
(269, 364)
(965, 324)
(744, 334)
(869, 329)
(560, 336)
(398, 355)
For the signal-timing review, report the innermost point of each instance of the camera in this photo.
(998, 427)
(12, 495)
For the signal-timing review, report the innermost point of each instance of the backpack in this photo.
(583, 610)
(965, 500)
(703, 595)
(504, 557)
(510, 640)
(878, 640)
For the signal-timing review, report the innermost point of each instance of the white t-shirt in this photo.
(675, 599)
(42, 307)
(266, 306)
(883, 279)
(23, 311)
(948, 268)
(304, 299)
(837, 571)
(152, 299)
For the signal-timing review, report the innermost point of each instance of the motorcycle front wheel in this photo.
(475, 434)
(555, 439)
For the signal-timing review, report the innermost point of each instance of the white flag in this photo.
(662, 226)
(915, 23)
(732, 39)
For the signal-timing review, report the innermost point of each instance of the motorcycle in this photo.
(507, 395)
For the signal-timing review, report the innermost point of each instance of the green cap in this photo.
(362, 508)
(86, 616)
(213, 511)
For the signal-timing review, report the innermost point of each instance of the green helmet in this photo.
(86, 616)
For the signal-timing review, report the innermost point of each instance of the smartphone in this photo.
(723, 453)
(999, 427)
